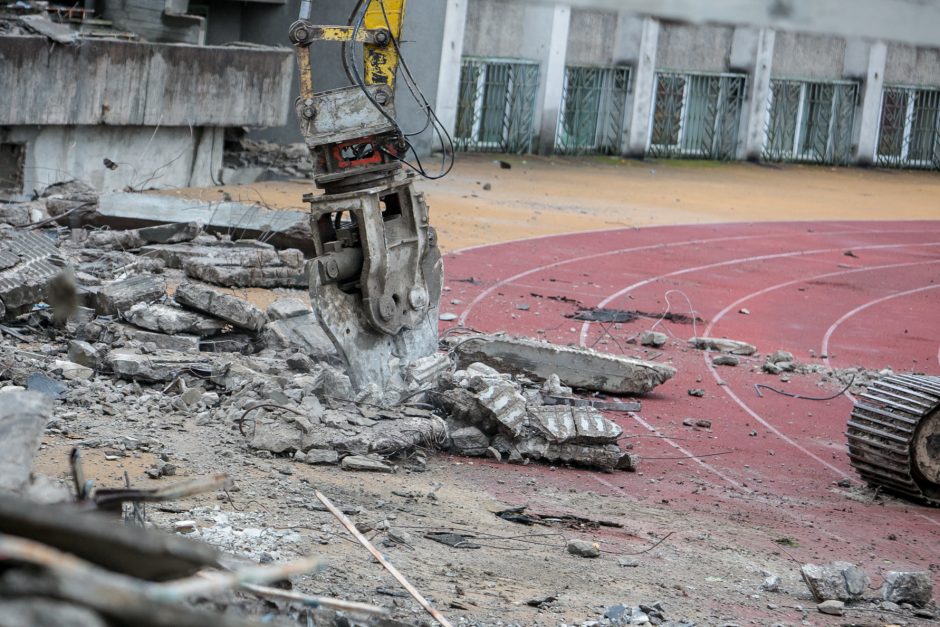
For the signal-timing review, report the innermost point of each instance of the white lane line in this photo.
(727, 390)
(731, 262)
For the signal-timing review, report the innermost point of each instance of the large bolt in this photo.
(332, 269)
(382, 97)
(418, 298)
(386, 308)
(382, 37)
(300, 35)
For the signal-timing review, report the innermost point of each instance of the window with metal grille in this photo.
(496, 108)
(697, 115)
(811, 121)
(593, 105)
(910, 128)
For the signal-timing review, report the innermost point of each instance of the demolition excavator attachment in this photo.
(894, 436)
(376, 279)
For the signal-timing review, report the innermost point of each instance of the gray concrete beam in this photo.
(644, 78)
(448, 85)
(553, 78)
(869, 108)
(758, 106)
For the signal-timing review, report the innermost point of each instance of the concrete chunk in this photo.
(242, 276)
(232, 309)
(915, 588)
(576, 367)
(116, 298)
(179, 342)
(840, 581)
(304, 333)
(284, 308)
(23, 417)
(723, 345)
(576, 425)
(469, 441)
(171, 320)
(365, 463)
(164, 366)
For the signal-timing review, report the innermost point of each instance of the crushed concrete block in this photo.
(115, 298)
(72, 371)
(284, 308)
(303, 333)
(181, 343)
(15, 214)
(915, 588)
(723, 345)
(165, 366)
(833, 608)
(70, 196)
(653, 338)
(470, 441)
(131, 239)
(840, 581)
(171, 233)
(232, 309)
(242, 276)
(426, 373)
(576, 367)
(505, 405)
(576, 425)
(23, 417)
(32, 271)
(84, 354)
(275, 436)
(365, 463)
(172, 320)
(317, 457)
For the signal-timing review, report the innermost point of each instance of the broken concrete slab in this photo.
(284, 308)
(365, 463)
(242, 276)
(72, 371)
(65, 196)
(576, 367)
(915, 588)
(841, 581)
(130, 239)
(232, 309)
(283, 228)
(84, 353)
(32, 271)
(163, 318)
(15, 214)
(23, 417)
(165, 366)
(576, 425)
(469, 440)
(210, 250)
(723, 345)
(116, 298)
(301, 332)
(179, 342)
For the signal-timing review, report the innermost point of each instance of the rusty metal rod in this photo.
(384, 562)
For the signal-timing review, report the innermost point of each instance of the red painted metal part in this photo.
(833, 293)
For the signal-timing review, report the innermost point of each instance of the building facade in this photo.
(553, 79)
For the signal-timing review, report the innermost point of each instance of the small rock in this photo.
(583, 548)
(925, 613)
(84, 354)
(915, 588)
(74, 372)
(318, 457)
(723, 345)
(771, 583)
(365, 463)
(447, 317)
(653, 338)
(487, 187)
(697, 392)
(835, 581)
(703, 424)
(184, 526)
(888, 606)
(726, 360)
(835, 608)
(627, 562)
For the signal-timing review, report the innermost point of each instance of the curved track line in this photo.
(727, 390)
(585, 327)
(462, 319)
(835, 325)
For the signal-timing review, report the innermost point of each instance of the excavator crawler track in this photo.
(894, 436)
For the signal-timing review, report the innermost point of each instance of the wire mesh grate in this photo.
(593, 107)
(496, 107)
(909, 134)
(697, 115)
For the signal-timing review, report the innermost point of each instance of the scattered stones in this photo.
(832, 607)
(915, 588)
(583, 548)
(841, 581)
(723, 345)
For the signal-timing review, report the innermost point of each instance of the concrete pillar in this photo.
(553, 78)
(644, 78)
(869, 109)
(448, 85)
(758, 107)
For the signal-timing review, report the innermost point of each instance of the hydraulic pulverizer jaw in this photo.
(376, 280)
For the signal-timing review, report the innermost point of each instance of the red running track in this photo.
(839, 294)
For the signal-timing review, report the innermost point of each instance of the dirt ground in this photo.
(541, 196)
(694, 564)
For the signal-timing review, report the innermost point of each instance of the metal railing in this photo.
(697, 115)
(496, 108)
(593, 106)
(811, 121)
(909, 134)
